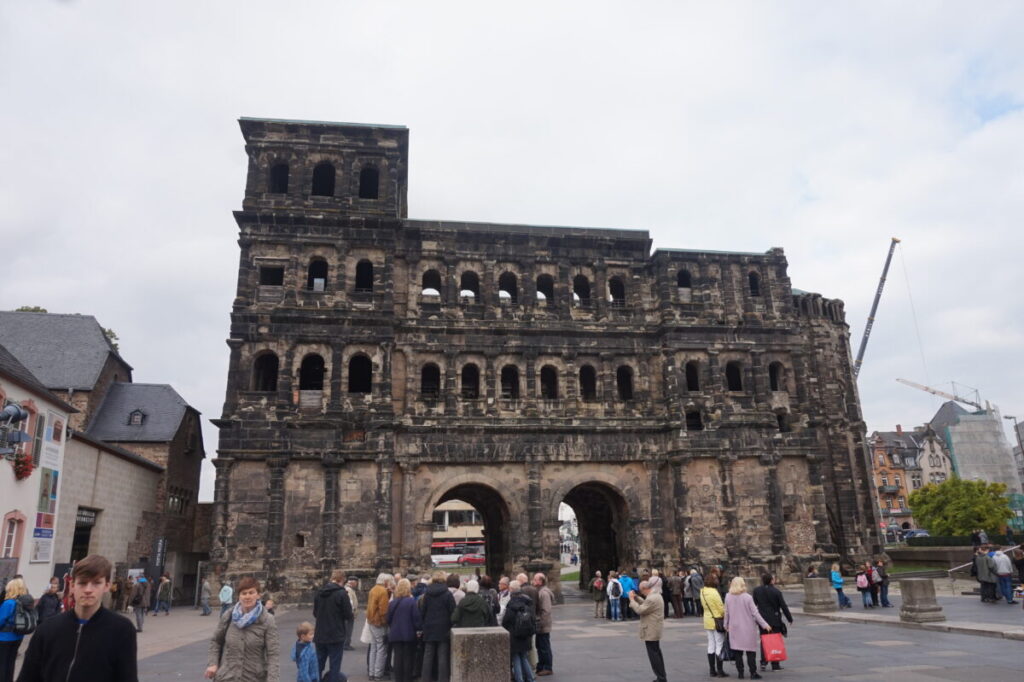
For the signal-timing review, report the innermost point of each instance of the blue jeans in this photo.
(1006, 587)
(866, 596)
(884, 594)
(545, 659)
(162, 604)
(614, 604)
(205, 604)
(521, 668)
(844, 601)
(225, 607)
(331, 651)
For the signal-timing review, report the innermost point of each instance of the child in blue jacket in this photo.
(837, 585)
(304, 654)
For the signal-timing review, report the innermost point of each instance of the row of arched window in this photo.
(469, 283)
(324, 177)
(360, 378)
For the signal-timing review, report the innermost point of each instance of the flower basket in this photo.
(23, 467)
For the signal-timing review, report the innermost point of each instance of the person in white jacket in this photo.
(1004, 574)
(614, 590)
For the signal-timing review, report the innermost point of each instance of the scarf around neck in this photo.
(242, 619)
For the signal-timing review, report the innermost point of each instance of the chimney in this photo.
(899, 430)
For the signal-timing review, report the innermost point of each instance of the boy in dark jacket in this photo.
(332, 609)
(87, 643)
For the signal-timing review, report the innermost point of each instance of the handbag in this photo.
(366, 637)
(719, 622)
(774, 647)
(726, 654)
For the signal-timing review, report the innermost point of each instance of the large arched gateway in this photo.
(685, 414)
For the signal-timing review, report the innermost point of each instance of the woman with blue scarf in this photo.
(245, 647)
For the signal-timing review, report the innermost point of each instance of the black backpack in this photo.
(24, 619)
(616, 589)
(524, 625)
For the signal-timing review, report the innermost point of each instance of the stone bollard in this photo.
(819, 597)
(919, 605)
(480, 655)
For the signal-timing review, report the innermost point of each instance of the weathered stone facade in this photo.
(689, 405)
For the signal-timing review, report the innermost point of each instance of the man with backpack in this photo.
(598, 593)
(17, 618)
(614, 594)
(140, 601)
(85, 644)
(521, 626)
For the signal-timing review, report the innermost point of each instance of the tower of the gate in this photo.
(690, 405)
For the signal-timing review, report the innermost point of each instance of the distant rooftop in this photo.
(161, 407)
(333, 124)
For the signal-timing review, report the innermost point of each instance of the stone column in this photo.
(918, 601)
(775, 501)
(534, 511)
(221, 504)
(275, 520)
(329, 520)
(819, 597)
(385, 469)
(238, 377)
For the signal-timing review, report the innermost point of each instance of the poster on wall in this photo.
(49, 485)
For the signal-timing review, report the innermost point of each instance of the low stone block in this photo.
(480, 655)
(819, 596)
(919, 605)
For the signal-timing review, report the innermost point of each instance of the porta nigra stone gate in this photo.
(690, 406)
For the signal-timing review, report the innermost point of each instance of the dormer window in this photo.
(136, 418)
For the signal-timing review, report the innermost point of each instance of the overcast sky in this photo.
(735, 126)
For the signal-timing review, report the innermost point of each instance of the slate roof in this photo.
(948, 414)
(19, 374)
(900, 440)
(161, 406)
(62, 351)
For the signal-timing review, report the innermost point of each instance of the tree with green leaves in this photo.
(957, 507)
(31, 309)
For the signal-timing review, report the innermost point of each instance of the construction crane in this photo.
(874, 309)
(941, 394)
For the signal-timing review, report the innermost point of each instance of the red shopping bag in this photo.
(774, 647)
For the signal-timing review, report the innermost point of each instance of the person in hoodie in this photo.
(87, 643)
(140, 601)
(519, 645)
(304, 654)
(1004, 575)
(48, 605)
(331, 610)
(436, 608)
(473, 611)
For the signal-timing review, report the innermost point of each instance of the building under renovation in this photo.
(978, 444)
(689, 405)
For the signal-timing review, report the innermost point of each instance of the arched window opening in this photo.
(264, 373)
(546, 289)
(323, 180)
(616, 292)
(360, 374)
(469, 286)
(316, 275)
(430, 382)
(683, 280)
(311, 373)
(588, 383)
(510, 382)
(581, 290)
(470, 382)
(431, 283)
(734, 376)
(279, 179)
(508, 288)
(754, 280)
(364, 276)
(776, 377)
(783, 422)
(624, 382)
(548, 383)
(369, 183)
(692, 376)
(694, 420)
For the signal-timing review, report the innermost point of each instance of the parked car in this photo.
(472, 559)
(916, 533)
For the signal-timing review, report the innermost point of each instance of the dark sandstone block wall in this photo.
(311, 476)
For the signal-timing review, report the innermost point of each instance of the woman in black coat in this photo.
(772, 606)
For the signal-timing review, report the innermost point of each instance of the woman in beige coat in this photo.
(245, 647)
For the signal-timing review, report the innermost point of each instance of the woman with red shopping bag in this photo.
(772, 606)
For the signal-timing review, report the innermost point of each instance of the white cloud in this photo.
(822, 129)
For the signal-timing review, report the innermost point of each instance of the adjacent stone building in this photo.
(689, 405)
